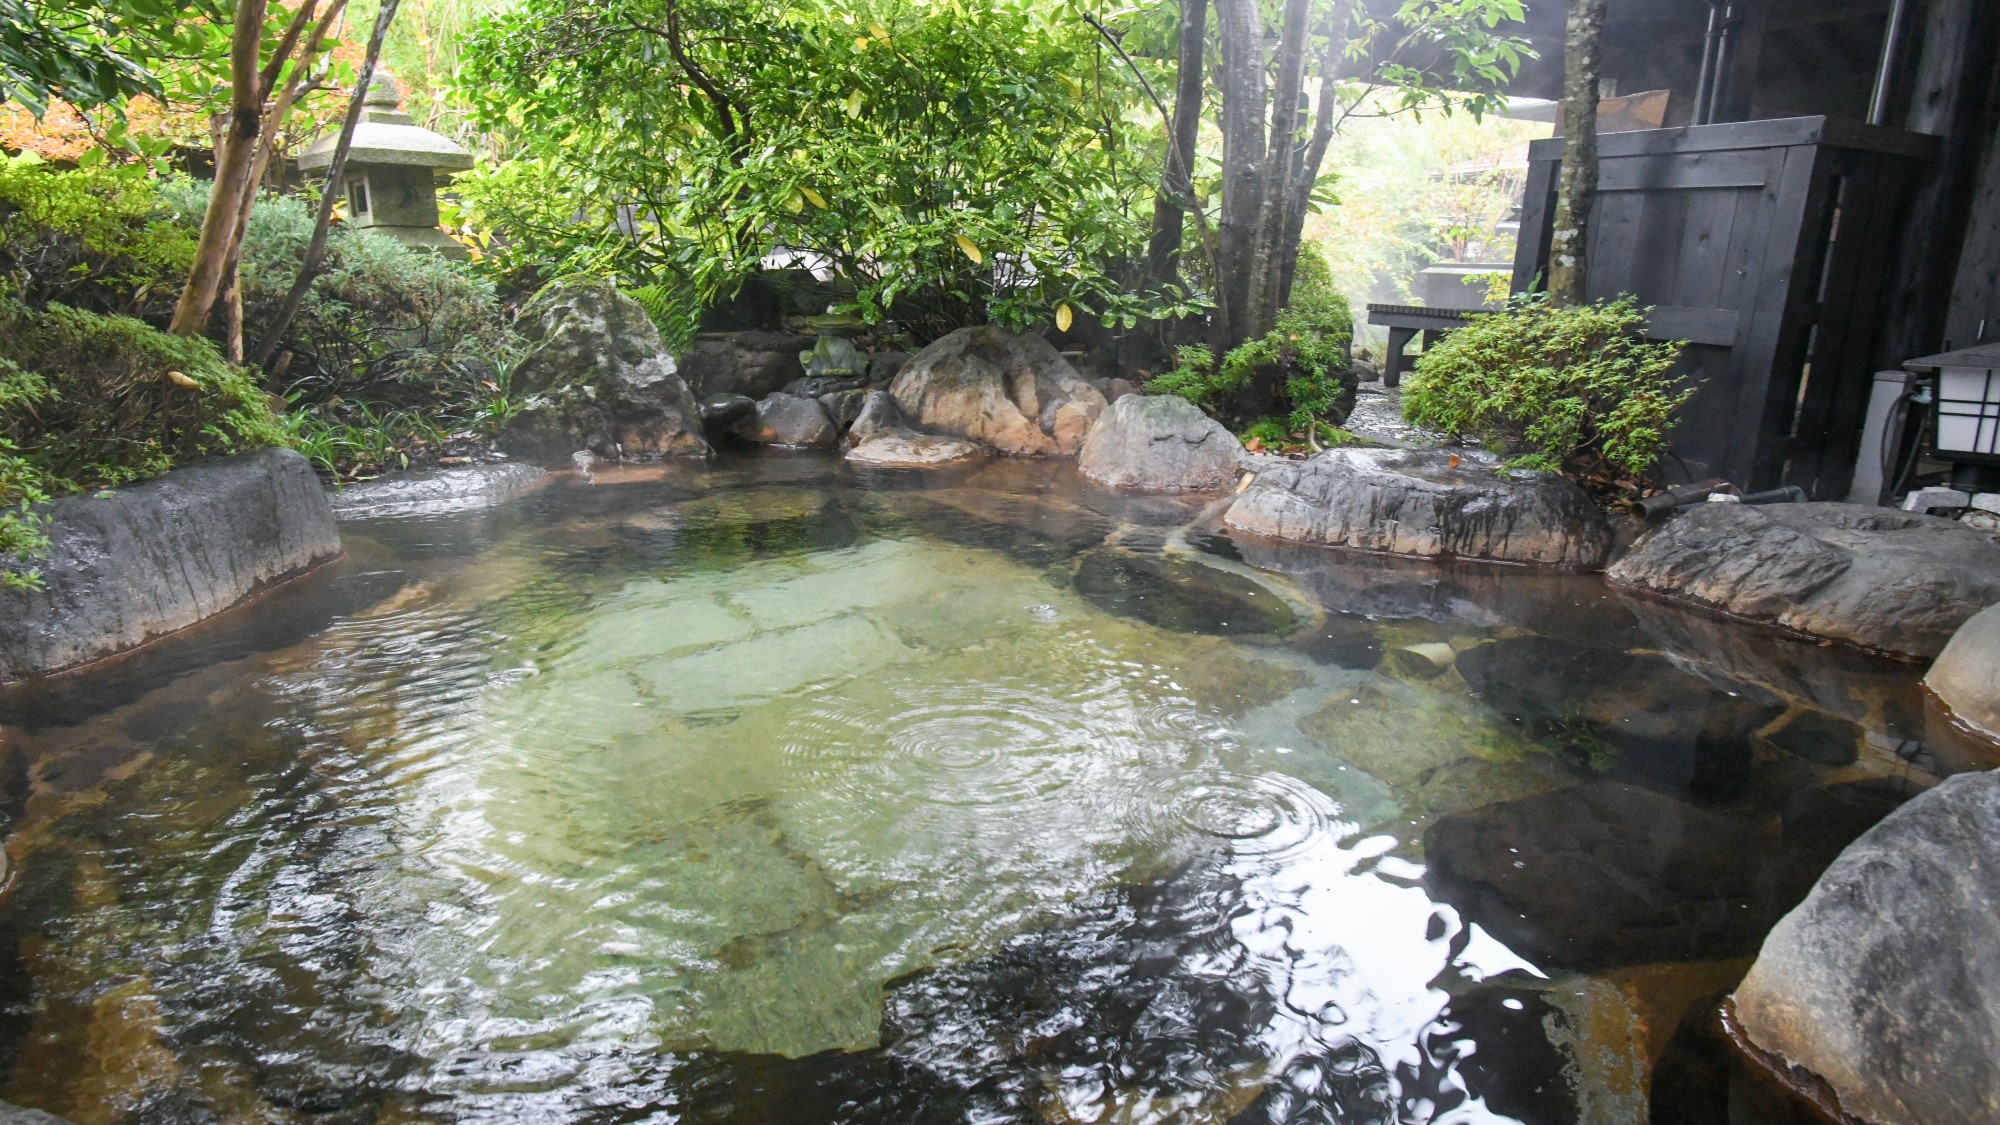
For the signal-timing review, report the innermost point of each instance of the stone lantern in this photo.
(393, 167)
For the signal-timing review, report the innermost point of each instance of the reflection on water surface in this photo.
(766, 792)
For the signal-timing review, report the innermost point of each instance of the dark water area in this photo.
(770, 791)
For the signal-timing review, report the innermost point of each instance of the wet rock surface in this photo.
(722, 410)
(1426, 503)
(1161, 443)
(1966, 675)
(908, 449)
(157, 557)
(788, 420)
(1604, 874)
(879, 437)
(1882, 579)
(1015, 393)
(443, 490)
(1181, 595)
(752, 364)
(1885, 982)
(599, 378)
(1634, 716)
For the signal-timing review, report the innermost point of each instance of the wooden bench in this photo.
(1405, 322)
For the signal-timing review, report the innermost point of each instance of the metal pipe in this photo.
(1885, 70)
(1787, 494)
(1720, 83)
(1709, 41)
(1667, 500)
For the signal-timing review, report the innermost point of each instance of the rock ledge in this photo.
(148, 560)
(1875, 577)
(1427, 503)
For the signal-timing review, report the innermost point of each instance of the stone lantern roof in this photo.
(387, 135)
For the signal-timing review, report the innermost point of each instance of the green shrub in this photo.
(384, 323)
(111, 410)
(1307, 345)
(1570, 389)
(23, 486)
(100, 238)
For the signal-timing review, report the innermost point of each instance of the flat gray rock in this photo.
(1966, 675)
(789, 420)
(599, 378)
(1015, 393)
(441, 490)
(1885, 981)
(1421, 503)
(908, 449)
(157, 557)
(1875, 577)
(1161, 443)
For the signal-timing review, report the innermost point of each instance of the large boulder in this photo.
(438, 491)
(599, 378)
(1885, 982)
(1428, 503)
(789, 420)
(1875, 577)
(1015, 393)
(744, 363)
(147, 560)
(1966, 675)
(1161, 443)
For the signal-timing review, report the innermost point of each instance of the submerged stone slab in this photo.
(1015, 393)
(1885, 982)
(1604, 874)
(1427, 503)
(1161, 443)
(433, 493)
(1966, 675)
(160, 556)
(1896, 581)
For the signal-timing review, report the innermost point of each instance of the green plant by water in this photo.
(1570, 389)
(1308, 343)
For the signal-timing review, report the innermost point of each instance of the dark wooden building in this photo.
(1823, 202)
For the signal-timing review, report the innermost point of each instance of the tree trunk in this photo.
(1243, 152)
(1264, 262)
(330, 191)
(1576, 190)
(1307, 174)
(233, 159)
(267, 144)
(1176, 194)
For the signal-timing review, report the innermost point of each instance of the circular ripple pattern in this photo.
(968, 747)
(1268, 815)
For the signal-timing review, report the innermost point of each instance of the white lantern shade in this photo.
(1968, 418)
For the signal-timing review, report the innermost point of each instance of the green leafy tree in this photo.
(953, 163)
(1287, 76)
(1563, 388)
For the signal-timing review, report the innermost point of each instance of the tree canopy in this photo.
(952, 161)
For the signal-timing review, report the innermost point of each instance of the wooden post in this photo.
(1953, 89)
